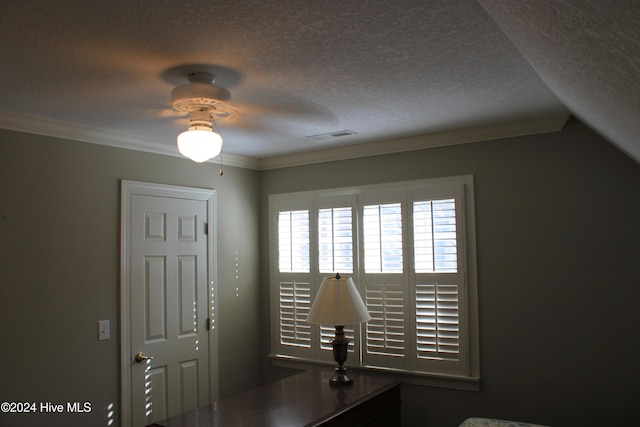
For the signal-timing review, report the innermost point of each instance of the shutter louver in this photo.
(437, 321)
(295, 303)
(385, 330)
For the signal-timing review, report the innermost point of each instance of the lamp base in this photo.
(340, 345)
(341, 378)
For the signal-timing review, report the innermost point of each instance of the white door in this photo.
(169, 294)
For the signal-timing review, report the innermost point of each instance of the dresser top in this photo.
(299, 400)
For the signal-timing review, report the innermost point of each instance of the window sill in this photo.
(416, 378)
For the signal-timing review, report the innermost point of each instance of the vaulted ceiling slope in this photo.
(315, 80)
(588, 53)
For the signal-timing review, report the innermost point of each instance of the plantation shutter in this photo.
(336, 254)
(295, 303)
(405, 245)
(384, 279)
(437, 321)
(385, 332)
(292, 220)
(438, 280)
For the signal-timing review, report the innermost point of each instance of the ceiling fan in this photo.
(207, 104)
(203, 102)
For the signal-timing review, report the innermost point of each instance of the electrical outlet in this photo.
(104, 332)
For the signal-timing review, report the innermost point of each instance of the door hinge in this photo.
(206, 228)
(208, 326)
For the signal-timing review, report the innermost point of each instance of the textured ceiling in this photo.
(381, 69)
(588, 53)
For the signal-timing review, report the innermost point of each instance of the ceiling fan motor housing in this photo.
(200, 120)
(198, 97)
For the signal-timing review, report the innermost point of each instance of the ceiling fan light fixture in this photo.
(201, 99)
(200, 143)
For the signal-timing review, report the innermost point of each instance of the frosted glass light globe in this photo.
(199, 145)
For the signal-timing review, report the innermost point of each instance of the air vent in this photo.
(330, 135)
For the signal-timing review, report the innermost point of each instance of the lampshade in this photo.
(200, 144)
(338, 303)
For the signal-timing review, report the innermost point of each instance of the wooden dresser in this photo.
(304, 399)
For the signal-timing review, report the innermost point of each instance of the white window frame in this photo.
(461, 373)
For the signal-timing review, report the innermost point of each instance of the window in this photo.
(382, 229)
(293, 241)
(410, 249)
(335, 235)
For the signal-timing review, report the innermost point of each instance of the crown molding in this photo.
(47, 127)
(69, 131)
(419, 142)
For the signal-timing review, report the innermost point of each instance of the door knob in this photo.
(140, 357)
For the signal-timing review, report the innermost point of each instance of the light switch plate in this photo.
(104, 332)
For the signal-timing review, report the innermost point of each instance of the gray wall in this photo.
(558, 269)
(557, 236)
(59, 270)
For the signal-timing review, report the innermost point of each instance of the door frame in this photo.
(127, 190)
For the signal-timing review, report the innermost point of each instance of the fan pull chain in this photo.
(215, 126)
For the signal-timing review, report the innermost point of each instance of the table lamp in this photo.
(338, 303)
